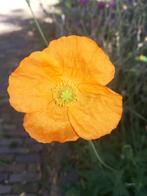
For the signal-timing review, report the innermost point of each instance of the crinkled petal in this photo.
(50, 125)
(97, 113)
(31, 83)
(82, 59)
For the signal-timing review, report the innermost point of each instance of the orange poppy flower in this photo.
(62, 91)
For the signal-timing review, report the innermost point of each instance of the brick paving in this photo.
(20, 156)
(22, 160)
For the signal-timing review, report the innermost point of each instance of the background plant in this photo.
(120, 28)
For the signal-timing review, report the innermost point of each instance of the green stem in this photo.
(99, 158)
(37, 23)
(46, 43)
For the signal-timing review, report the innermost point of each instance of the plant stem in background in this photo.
(46, 43)
(37, 23)
(99, 158)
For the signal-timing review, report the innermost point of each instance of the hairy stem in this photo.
(99, 158)
(37, 23)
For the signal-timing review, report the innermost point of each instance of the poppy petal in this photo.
(98, 112)
(31, 83)
(50, 125)
(82, 59)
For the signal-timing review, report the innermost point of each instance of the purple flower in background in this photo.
(112, 4)
(101, 4)
(83, 2)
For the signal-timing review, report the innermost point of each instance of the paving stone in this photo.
(9, 132)
(8, 150)
(5, 189)
(35, 148)
(9, 127)
(15, 167)
(7, 158)
(27, 194)
(11, 195)
(29, 158)
(33, 167)
(31, 187)
(33, 145)
(24, 177)
(6, 161)
(4, 168)
(10, 142)
(12, 167)
(30, 141)
(3, 177)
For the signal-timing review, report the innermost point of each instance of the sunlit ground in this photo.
(16, 8)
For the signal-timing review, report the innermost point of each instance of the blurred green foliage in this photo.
(120, 28)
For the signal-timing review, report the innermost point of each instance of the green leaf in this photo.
(142, 58)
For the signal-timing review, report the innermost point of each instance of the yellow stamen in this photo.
(64, 94)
